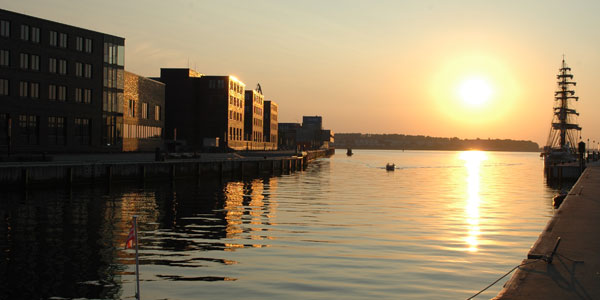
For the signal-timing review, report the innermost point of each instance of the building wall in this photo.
(201, 106)
(51, 85)
(181, 107)
(143, 119)
(270, 128)
(254, 109)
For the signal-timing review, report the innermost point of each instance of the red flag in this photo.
(131, 236)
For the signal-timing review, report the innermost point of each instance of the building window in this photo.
(78, 69)
(62, 40)
(79, 43)
(25, 32)
(111, 130)
(53, 38)
(52, 65)
(52, 92)
(88, 71)
(87, 96)
(4, 87)
(23, 89)
(4, 129)
(34, 89)
(82, 131)
(88, 45)
(157, 112)
(144, 110)
(35, 34)
(56, 131)
(131, 108)
(4, 28)
(62, 93)
(4, 58)
(28, 129)
(24, 61)
(78, 95)
(35, 62)
(62, 67)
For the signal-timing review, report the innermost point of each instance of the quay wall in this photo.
(564, 263)
(73, 173)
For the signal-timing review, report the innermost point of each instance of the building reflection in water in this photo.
(473, 160)
(249, 211)
(70, 244)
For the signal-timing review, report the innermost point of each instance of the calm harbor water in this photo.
(443, 225)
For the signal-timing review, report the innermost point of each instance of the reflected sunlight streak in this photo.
(473, 161)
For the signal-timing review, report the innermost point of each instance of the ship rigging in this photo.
(564, 131)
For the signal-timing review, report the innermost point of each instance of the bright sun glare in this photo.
(475, 91)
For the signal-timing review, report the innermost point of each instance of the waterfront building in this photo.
(143, 119)
(270, 127)
(61, 87)
(287, 135)
(254, 107)
(203, 111)
(308, 135)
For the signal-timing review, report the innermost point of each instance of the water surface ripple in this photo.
(441, 226)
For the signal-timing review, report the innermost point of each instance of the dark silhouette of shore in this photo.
(420, 142)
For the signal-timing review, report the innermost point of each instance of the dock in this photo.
(569, 267)
(112, 168)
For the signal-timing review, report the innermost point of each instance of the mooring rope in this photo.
(511, 270)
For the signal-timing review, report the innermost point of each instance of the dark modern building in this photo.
(254, 108)
(143, 119)
(203, 111)
(61, 87)
(270, 127)
(308, 135)
(287, 135)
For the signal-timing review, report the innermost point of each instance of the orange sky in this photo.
(369, 66)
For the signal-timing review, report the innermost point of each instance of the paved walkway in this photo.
(574, 272)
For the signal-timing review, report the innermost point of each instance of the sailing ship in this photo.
(564, 131)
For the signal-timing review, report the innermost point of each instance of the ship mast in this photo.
(563, 133)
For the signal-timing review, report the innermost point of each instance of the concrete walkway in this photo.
(574, 272)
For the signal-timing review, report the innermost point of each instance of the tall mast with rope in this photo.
(564, 130)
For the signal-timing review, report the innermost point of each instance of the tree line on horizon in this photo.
(420, 142)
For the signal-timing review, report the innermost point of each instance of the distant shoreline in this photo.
(419, 142)
(342, 147)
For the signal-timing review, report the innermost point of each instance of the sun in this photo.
(475, 91)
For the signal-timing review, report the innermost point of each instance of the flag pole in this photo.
(137, 261)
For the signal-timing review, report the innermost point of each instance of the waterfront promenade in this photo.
(573, 271)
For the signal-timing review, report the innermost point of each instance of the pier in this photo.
(564, 263)
(112, 168)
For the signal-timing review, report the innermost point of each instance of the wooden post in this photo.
(172, 172)
(25, 176)
(109, 173)
(143, 173)
(69, 176)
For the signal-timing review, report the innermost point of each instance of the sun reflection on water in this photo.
(473, 160)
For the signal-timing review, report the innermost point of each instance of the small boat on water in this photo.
(390, 167)
(349, 152)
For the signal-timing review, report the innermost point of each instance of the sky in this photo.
(369, 66)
